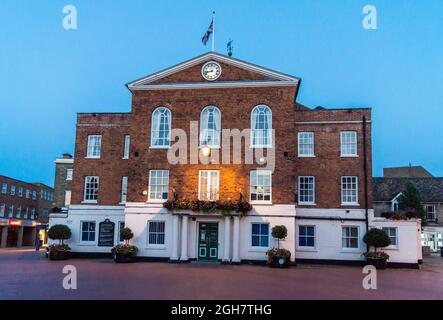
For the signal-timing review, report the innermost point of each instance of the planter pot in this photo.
(58, 255)
(123, 257)
(280, 262)
(379, 264)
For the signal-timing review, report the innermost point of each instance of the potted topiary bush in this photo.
(125, 252)
(59, 251)
(279, 258)
(377, 238)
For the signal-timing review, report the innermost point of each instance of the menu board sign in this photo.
(106, 234)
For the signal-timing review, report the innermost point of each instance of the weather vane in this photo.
(230, 47)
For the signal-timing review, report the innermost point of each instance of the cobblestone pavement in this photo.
(26, 274)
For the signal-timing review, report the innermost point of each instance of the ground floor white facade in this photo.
(313, 234)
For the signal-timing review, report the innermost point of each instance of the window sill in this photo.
(157, 201)
(260, 147)
(351, 250)
(306, 156)
(125, 158)
(89, 201)
(93, 158)
(159, 147)
(307, 249)
(307, 204)
(258, 249)
(350, 204)
(155, 247)
(269, 203)
(349, 155)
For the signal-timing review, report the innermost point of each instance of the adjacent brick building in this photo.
(64, 171)
(24, 207)
(309, 169)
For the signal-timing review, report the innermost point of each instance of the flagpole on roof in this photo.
(213, 32)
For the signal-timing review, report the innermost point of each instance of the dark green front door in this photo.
(207, 241)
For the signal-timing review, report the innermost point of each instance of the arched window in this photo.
(210, 123)
(161, 127)
(261, 127)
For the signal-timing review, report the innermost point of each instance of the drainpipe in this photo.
(365, 172)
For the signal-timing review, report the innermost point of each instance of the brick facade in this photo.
(235, 105)
(61, 181)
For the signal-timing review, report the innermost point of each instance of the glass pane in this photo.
(255, 228)
(264, 229)
(255, 241)
(264, 241)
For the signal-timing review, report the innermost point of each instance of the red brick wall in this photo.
(17, 201)
(110, 167)
(328, 166)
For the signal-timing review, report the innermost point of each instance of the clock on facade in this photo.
(211, 70)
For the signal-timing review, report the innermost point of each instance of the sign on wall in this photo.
(106, 234)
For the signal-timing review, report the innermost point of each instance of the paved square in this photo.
(26, 274)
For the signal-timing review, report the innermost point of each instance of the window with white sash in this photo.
(156, 232)
(260, 186)
(210, 127)
(348, 143)
(124, 189)
(4, 188)
(91, 189)
(69, 174)
(349, 190)
(350, 237)
(67, 198)
(306, 144)
(94, 146)
(393, 236)
(261, 127)
(161, 128)
(2, 210)
(126, 147)
(158, 185)
(208, 185)
(306, 190)
(88, 231)
(11, 211)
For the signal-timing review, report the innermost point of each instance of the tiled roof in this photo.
(385, 189)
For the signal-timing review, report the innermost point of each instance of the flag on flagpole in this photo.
(208, 33)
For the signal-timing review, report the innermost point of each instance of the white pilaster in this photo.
(175, 231)
(236, 242)
(227, 239)
(184, 242)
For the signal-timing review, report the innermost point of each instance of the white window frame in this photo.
(313, 191)
(434, 211)
(28, 193)
(344, 144)
(68, 195)
(204, 130)
(154, 114)
(2, 210)
(34, 195)
(91, 150)
(267, 172)
(260, 247)
(124, 190)
(69, 173)
(253, 130)
(300, 139)
(386, 229)
(12, 190)
(92, 242)
(150, 199)
(351, 203)
(127, 143)
(157, 245)
(85, 189)
(307, 248)
(20, 192)
(4, 188)
(11, 211)
(343, 237)
(208, 185)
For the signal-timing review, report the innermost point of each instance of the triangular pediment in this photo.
(234, 73)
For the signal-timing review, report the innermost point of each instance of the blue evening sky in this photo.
(48, 74)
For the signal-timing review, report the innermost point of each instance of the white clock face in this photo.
(211, 71)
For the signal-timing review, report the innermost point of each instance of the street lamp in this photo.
(206, 150)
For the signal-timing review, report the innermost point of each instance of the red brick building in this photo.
(309, 170)
(24, 207)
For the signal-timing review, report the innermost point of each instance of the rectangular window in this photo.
(94, 146)
(32, 213)
(158, 185)
(42, 195)
(25, 216)
(124, 189)
(120, 228)
(350, 237)
(349, 190)
(20, 192)
(67, 198)
(11, 211)
(2, 210)
(156, 232)
(91, 189)
(69, 174)
(19, 212)
(208, 185)
(126, 147)
(392, 233)
(12, 190)
(306, 144)
(348, 143)
(34, 195)
(4, 188)
(306, 190)
(431, 213)
(260, 235)
(28, 192)
(261, 185)
(88, 231)
(306, 236)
